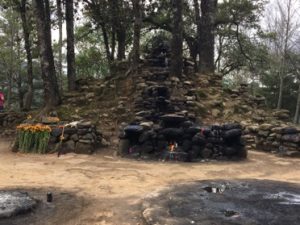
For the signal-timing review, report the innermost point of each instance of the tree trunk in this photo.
(282, 68)
(114, 9)
(279, 103)
(121, 38)
(113, 44)
(11, 65)
(198, 24)
(70, 45)
(19, 76)
(60, 43)
(106, 43)
(136, 33)
(297, 113)
(120, 30)
(9, 89)
(177, 39)
(207, 37)
(193, 49)
(51, 90)
(220, 52)
(26, 33)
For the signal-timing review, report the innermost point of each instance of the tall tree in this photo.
(10, 74)
(236, 45)
(51, 90)
(121, 29)
(198, 24)
(60, 42)
(177, 38)
(114, 6)
(26, 33)
(297, 113)
(286, 17)
(18, 73)
(113, 18)
(207, 36)
(70, 45)
(294, 60)
(136, 32)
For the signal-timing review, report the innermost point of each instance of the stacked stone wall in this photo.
(281, 139)
(80, 138)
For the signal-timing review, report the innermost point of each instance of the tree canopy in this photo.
(46, 45)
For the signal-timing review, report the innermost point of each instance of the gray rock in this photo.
(148, 125)
(105, 143)
(143, 113)
(216, 103)
(88, 136)
(264, 133)
(190, 103)
(82, 131)
(175, 79)
(190, 98)
(90, 95)
(295, 138)
(216, 113)
(141, 85)
(68, 146)
(74, 137)
(266, 127)
(206, 153)
(86, 124)
(85, 141)
(187, 83)
(83, 148)
(121, 109)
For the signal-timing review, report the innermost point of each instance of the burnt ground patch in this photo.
(69, 208)
(224, 202)
(13, 203)
(65, 206)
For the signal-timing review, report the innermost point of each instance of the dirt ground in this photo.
(100, 189)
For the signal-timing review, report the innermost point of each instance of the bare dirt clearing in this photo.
(94, 190)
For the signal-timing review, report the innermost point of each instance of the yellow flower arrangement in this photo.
(33, 138)
(34, 127)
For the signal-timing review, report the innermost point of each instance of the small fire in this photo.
(173, 146)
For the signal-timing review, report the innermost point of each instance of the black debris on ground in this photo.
(241, 202)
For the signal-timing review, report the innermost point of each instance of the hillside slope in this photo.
(113, 102)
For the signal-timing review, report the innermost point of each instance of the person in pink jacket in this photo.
(1, 101)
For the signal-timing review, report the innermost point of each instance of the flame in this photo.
(172, 147)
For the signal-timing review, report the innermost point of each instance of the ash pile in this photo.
(13, 203)
(176, 138)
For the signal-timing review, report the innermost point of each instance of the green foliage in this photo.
(238, 35)
(91, 63)
(270, 83)
(155, 40)
(91, 59)
(244, 51)
(243, 12)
